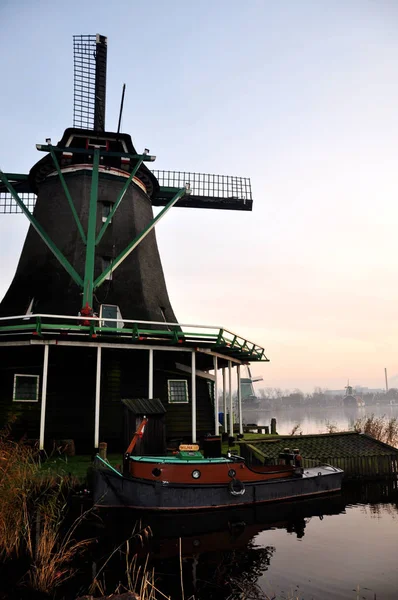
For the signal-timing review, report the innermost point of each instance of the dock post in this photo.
(273, 427)
(193, 385)
(97, 400)
(150, 374)
(216, 421)
(43, 398)
(231, 413)
(239, 400)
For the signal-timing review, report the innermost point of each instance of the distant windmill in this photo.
(91, 252)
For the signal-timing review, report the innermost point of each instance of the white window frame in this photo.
(170, 381)
(119, 323)
(37, 377)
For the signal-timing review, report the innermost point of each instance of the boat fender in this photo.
(236, 487)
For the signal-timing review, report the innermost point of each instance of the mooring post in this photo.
(273, 427)
(103, 447)
(43, 398)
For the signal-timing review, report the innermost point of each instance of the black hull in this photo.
(111, 490)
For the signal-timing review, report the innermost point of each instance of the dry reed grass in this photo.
(140, 580)
(32, 511)
(384, 429)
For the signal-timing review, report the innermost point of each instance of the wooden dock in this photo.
(359, 455)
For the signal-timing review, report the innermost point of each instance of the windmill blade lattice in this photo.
(89, 54)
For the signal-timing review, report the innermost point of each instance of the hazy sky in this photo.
(301, 96)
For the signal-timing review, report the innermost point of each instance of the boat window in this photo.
(178, 391)
(26, 388)
(111, 311)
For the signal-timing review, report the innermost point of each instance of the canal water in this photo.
(344, 547)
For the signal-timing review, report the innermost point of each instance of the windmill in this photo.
(90, 268)
(247, 389)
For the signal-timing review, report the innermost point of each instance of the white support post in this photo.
(193, 394)
(224, 400)
(239, 400)
(216, 421)
(43, 398)
(231, 412)
(150, 375)
(97, 399)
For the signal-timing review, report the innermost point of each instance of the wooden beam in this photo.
(199, 373)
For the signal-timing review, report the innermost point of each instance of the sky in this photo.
(302, 98)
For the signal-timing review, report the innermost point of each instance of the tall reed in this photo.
(384, 429)
(32, 512)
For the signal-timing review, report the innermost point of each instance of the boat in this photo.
(188, 480)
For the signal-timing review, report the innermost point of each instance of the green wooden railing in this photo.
(211, 337)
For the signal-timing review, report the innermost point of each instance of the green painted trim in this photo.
(180, 461)
(123, 255)
(118, 201)
(105, 462)
(49, 243)
(68, 196)
(171, 337)
(91, 228)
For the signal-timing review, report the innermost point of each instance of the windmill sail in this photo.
(89, 54)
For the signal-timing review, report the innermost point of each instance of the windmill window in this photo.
(106, 263)
(178, 391)
(106, 209)
(111, 311)
(26, 388)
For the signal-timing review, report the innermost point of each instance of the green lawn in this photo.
(75, 465)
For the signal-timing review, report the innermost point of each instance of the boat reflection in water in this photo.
(243, 552)
(217, 549)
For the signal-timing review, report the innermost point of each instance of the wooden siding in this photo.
(71, 394)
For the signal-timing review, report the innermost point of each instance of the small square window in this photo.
(111, 311)
(26, 388)
(178, 391)
(106, 209)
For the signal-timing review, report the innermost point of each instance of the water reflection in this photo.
(237, 553)
(317, 419)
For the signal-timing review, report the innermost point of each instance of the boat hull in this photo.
(113, 490)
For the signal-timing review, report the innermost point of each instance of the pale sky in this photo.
(300, 96)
